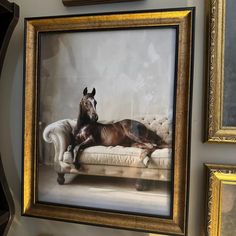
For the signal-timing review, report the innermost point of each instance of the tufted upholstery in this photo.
(159, 124)
(114, 156)
(114, 161)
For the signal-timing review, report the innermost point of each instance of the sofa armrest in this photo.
(58, 133)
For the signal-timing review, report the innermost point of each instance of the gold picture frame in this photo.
(181, 20)
(220, 199)
(219, 124)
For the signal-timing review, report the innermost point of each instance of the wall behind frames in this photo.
(11, 111)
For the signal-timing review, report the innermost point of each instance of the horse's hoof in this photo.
(77, 165)
(141, 185)
(61, 178)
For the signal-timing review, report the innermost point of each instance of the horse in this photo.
(128, 133)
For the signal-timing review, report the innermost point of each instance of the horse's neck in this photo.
(83, 119)
(82, 122)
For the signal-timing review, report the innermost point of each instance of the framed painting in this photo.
(221, 200)
(220, 71)
(71, 3)
(107, 119)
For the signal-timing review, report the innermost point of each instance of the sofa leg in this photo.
(141, 185)
(60, 178)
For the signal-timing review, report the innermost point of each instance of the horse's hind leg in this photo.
(147, 146)
(138, 132)
(141, 142)
(142, 145)
(142, 184)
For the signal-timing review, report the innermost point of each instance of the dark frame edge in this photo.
(190, 115)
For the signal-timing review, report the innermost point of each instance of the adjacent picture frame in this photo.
(71, 3)
(221, 200)
(132, 63)
(220, 72)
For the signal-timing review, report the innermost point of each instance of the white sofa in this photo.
(118, 161)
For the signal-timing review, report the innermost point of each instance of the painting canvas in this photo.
(228, 211)
(221, 99)
(229, 99)
(136, 87)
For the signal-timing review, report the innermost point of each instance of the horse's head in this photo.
(88, 105)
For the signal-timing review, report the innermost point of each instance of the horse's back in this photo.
(131, 124)
(112, 134)
(139, 129)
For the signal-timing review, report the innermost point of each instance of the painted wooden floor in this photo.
(103, 193)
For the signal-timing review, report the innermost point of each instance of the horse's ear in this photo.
(85, 91)
(94, 92)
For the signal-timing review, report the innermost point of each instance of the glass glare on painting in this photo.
(130, 75)
(229, 99)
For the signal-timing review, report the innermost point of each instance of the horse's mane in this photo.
(82, 118)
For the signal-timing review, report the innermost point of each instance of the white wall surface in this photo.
(11, 112)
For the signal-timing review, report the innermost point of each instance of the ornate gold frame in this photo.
(216, 176)
(182, 20)
(215, 131)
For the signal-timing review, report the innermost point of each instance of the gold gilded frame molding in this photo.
(182, 20)
(215, 131)
(216, 176)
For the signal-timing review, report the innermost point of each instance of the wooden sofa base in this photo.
(140, 184)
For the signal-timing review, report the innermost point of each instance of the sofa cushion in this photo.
(114, 156)
(160, 159)
(126, 156)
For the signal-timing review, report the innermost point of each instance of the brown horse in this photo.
(88, 132)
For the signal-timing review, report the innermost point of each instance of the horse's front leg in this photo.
(88, 142)
(75, 152)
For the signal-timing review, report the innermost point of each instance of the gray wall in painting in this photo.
(229, 117)
(228, 210)
(135, 66)
(11, 121)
